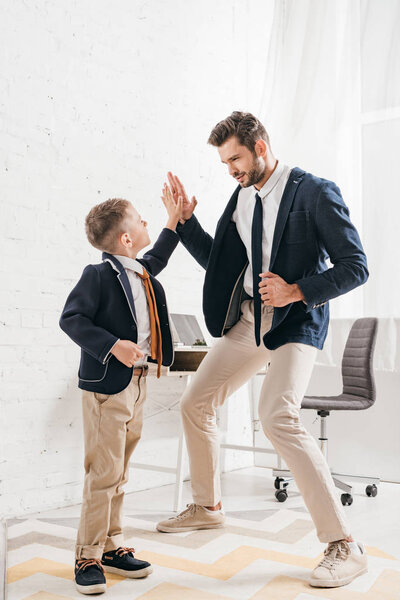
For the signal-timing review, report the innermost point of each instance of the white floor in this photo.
(279, 535)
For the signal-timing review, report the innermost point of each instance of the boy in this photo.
(117, 314)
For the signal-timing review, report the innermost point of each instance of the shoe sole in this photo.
(98, 588)
(326, 583)
(164, 529)
(131, 574)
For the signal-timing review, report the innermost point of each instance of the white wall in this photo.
(100, 99)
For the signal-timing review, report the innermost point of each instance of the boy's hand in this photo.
(127, 352)
(177, 190)
(174, 209)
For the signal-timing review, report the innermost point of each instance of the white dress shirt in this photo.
(133, 267)
(270, 194)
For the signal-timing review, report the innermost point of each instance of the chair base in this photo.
(283, 477)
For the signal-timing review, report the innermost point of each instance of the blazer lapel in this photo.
(289, 192)
(123, 279)
(226, 216)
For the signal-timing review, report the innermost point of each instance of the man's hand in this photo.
(276, 292)
(127, 352)
(177, 190)
(174, 209)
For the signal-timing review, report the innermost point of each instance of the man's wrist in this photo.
(297, 293)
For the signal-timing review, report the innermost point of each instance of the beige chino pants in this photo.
(228, 365)
(112, 427)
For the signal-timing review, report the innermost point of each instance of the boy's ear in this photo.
(126, 240)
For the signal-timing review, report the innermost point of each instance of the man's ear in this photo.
(261, 148)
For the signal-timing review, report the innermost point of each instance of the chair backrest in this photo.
(357, 361)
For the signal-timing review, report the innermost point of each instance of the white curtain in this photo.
(319, 61)
(380, 97)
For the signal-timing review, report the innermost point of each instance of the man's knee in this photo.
(198, 407)
(189, 402)
(279, 419)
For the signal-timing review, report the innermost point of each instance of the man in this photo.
(266, 296)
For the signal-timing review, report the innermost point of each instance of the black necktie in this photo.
(256, 263)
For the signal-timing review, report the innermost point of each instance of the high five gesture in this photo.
(177, 189)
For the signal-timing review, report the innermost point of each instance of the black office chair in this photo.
(358, 394)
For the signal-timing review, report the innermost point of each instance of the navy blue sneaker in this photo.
(122, 562)
(89, 576)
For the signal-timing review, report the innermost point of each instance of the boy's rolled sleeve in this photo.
(108, 355)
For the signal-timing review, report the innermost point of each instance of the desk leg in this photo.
(3, 557)
(179, 475)
(179, 465)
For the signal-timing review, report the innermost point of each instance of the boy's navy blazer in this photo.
(100, 310)
(312, 225)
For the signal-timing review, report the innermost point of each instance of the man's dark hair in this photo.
(245, 126)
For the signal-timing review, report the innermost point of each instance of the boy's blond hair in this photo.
(104, 222)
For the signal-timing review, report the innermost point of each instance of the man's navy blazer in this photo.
(312, 225)
(100, 310)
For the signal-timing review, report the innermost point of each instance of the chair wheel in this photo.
(346, 499)
(281, 495)
(371, 490)
(277, 483)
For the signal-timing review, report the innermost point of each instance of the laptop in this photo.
(189, 342)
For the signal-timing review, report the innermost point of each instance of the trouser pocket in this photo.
(101, 398)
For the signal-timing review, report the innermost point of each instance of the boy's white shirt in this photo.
(133, 267)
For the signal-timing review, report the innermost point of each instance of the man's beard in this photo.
(255, 174)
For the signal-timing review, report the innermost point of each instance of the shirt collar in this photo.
(272, 181)
(129, 263)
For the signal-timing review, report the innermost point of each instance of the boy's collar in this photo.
(114, 262)
(129, 263)
(120, 265)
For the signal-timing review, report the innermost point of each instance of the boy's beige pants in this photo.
(228, 365)
(112, 427)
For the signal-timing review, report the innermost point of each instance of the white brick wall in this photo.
(100, 99)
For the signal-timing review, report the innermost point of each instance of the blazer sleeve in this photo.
(156, 259)
(77, 318)
(343, 245)
(197, 241)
